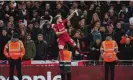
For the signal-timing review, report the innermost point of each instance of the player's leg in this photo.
(61, 45)
(72, 43)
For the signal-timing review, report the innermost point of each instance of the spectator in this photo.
(11, 23)
(126, 52)
(76, 18)
(118, 33)
(130, 9)
(96, 34)
(30, 48)
(110, 30)
(95, 18)
(106, 20)
(1, 12)
(51, 39)
(1, 25)
(45, 17)
(83, 27)
(6, 13)
(113, 16)
(77, 37)
(3, 40)
(41, 48)
(59, 11)
(35, 16)
(69, 28)
(22, 31)
(90, 13)
(47, 8)
(95, 50)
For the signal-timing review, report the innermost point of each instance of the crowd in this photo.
(88, 28)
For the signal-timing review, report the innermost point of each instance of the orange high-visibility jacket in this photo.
(14, 50)
(66, 56)
(109, 47)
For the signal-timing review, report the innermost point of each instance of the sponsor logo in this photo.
(35, 77)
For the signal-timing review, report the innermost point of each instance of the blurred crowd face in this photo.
(75, 5)
(77, 34)
(28, 37)
(118, 25)
(46, 13)
(40, 37)
(28, 4)
(36, 25)
(124, 8)
(127, 40)
(98, 41)
(110, 29)
(19, 6)
(35, 14)
(37, 4)
(91, 7)
(4, 32)
(11, 19)
(21, 26)
(95, 17)
(85, 13)
(97, 24)
(106, 16)
(131, 4)
(30, 26)
(47, 6)
(95, 28)
(7, 8)
(82, 23)
(1, 23)
(111, 12)
(23, 6)
(102, 29)
(58, 6)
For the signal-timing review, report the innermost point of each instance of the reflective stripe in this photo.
(17, 49)
(61, 47)
(116, 47)
(6, 46)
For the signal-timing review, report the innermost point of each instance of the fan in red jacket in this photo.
(123, 40)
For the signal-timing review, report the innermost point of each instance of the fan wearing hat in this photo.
(14, 50)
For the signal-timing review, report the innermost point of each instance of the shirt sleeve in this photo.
(54, 28)
(64, 21)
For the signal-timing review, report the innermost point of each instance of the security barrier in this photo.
(47, 70)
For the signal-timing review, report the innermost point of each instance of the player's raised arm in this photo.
(71, 15)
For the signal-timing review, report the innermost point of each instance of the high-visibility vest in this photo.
(66, 56)
(109, 48)
(14, 50)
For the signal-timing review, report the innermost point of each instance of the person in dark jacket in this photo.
(41, 48)
(95, 50)
(126, 51)
(118, 33)
(51, 39)
(30, 48)
(77, 38)
(3, 40)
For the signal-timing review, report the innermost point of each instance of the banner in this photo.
(40, 72)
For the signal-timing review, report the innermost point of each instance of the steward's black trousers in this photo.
(65, 68)
(13, 64)
(110, 67)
